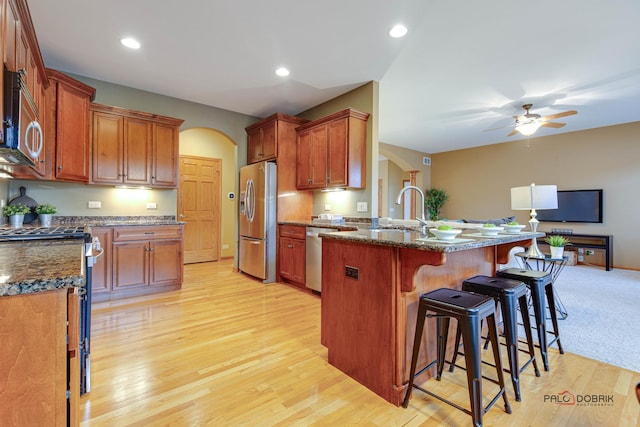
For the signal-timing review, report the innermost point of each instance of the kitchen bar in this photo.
(371, 282)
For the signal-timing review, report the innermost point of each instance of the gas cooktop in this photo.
(30, 233)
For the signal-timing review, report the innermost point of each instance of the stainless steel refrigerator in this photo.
(257, 253)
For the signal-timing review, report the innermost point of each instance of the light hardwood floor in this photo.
(227, 350)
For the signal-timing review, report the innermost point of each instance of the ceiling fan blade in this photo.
(558, 115)
(513, 132)
(552, 124)
(501, 127)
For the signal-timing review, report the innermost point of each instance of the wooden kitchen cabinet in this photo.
(20, 52)
(67, 128)
(269, 138)
(262, 142)
(39, 361)
(133, 148)
(142, 259)
(331, 151)
(292, 253)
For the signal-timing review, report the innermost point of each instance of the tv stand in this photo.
(591, 241)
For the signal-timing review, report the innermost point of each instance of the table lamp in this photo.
(534, 197)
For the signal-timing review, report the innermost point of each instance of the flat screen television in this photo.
(575, 206)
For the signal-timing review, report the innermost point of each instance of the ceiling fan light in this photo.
(528, 128)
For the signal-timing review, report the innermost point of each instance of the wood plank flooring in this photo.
(227, 350)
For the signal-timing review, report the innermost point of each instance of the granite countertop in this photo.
(40, 265)
(413, 239)
(116, 221)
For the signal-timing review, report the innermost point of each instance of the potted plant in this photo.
(16, 214)
(556, 244)
(434, 199)
(45, 212)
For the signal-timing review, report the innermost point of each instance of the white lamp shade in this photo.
(534, 197)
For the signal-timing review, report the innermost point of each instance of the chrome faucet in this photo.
(422, 220)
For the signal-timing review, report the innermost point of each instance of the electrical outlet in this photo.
(94, 205)
(225, 246)
(327, 207)
(362, 206)
(152, 205)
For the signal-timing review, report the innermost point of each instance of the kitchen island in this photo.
(40, 283)
(371, 283)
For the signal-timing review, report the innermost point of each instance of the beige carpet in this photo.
(603, 307)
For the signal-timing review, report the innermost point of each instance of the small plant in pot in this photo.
(45, 211)
(556, 244)
(16, 214)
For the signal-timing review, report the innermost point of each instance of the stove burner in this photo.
(30, 233)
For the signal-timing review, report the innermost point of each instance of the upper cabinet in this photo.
(20, 52)
(331, 152)
(67, 132)
(266, 137)
(133, 148)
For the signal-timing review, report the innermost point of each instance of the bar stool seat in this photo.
(540, 283)
(469, 310)
(508, 293)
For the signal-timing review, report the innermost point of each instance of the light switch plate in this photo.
(362, 207)
(152, 205)
(327, 207)
(94, 204)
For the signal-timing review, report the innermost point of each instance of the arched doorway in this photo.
(208, 179)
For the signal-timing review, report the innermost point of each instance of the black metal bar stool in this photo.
(539, 283)
(469, 310)
(508, 293)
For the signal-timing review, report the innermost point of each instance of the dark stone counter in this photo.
(115, 221)
(468, 239)
(40, 265)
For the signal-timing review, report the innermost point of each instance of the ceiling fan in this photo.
(528, 123)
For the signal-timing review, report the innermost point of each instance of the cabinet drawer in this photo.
(123, 234)
(293, 231)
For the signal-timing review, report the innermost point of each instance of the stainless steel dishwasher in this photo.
(314, 257)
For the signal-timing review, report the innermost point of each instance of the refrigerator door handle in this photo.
(251, 199)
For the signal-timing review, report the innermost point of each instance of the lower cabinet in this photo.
(39, 360)
(138, 260)
(292, 253)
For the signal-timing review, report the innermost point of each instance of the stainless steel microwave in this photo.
(23, 136)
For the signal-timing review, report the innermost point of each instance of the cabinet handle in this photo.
(309, 180)
(149, 232)
(290, 246)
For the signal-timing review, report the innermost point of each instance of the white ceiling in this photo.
(464, 66)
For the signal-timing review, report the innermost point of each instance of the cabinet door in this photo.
(101, 272)
(166, 262)
(137, 152)
(319, 157)
(130, 265)
(293, 259)
(269, 141)
(254, 147)
(10, 24)
(337, 148)
(72, 135)
(287, 255)
(165, 156)
(299, 261)
(303, 161)
(33, 359)
(106, 141)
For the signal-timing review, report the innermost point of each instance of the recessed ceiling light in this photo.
(130, 43)
(282, 72)
(398, 31)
